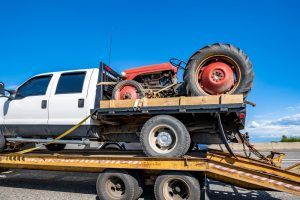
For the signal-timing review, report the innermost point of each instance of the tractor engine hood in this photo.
(130, 74)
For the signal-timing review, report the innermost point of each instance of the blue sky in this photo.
(42, 36)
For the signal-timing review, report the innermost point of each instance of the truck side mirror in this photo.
(2, 91)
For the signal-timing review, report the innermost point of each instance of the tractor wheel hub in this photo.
(127, 92)
(216, 78)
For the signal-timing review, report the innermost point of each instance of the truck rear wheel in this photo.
(177, 185)
(113, 184)
(127, 89)
(164, 136)
(56, 147)
(218, 69)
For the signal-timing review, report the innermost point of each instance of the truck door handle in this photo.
(80, 103)
(44, 104)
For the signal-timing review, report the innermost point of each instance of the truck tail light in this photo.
(242, 116)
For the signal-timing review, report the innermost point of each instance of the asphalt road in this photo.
(48, 185)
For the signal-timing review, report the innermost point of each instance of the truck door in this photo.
(27, 113)
(68, 102)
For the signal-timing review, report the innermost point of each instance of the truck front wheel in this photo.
(164, 136)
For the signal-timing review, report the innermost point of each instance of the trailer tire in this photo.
(225, 69)
(171, 183)
(117, 184)
(128, 89)
(2, 142)
(164, 136)
(55, 147)
(139, 190)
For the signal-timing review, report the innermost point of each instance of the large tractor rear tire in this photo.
(218, 69)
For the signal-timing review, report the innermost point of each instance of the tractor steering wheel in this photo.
(177, 63)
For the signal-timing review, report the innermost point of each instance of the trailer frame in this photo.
(239, 170)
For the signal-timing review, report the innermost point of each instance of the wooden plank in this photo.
(200, 100)
(174, 101)
(163, 102)
(231, 99)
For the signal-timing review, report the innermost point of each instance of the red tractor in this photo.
(213, 70)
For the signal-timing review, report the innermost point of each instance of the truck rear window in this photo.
(70, 83)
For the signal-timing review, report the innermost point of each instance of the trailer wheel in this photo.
(113, 184)
(2, 142)
(164, 136)
(139, 190)
(127, 89)
(177, 185)
(55, 147)
(218, 69)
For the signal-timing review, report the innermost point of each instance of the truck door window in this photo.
(34, 87)
(70, 83)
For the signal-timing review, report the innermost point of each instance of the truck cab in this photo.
(50, 103)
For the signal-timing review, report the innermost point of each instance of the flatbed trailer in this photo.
(239, 170)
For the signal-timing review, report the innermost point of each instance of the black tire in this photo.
(107, 190)
(139, 190)
(133, 83)
(187, 186)
(2, 142)
(55, 147)
(178, 141)
(112, 146)
(232, 55)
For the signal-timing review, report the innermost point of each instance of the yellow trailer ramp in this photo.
(240, 171)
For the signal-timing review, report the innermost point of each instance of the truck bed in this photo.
(173, 105)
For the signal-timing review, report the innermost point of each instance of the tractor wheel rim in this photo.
(217, 75)
(127, 92)
(176, 189)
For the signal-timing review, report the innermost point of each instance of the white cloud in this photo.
(294, 108)
(288, 125)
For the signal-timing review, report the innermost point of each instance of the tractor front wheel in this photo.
(127, 89)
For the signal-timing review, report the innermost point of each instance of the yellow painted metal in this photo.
(253, 164)
(241, 171)
(294, 168)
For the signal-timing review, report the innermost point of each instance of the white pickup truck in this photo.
(48, 104)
